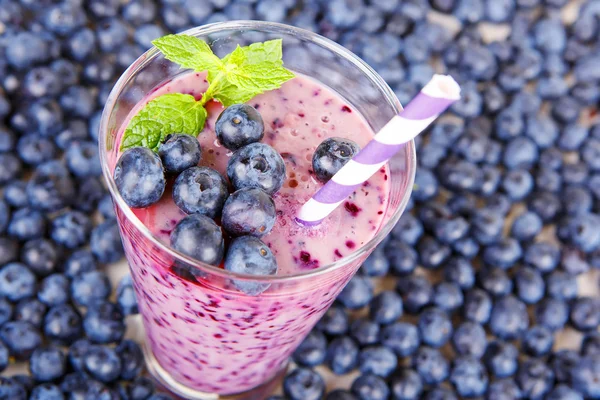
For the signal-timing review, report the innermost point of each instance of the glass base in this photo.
(170, 385)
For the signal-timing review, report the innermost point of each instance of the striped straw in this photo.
(433, 100)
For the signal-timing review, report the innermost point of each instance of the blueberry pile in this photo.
(522, 143)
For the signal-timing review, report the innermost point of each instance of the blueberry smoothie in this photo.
(216, 335)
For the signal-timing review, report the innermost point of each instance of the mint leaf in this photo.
(259, 78)
(169, 113)
(228, 94)
(189, 52)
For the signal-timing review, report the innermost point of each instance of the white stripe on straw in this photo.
(433, 100)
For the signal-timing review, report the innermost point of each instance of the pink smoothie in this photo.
(206, 334)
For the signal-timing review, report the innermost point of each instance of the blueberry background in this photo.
(488, 286)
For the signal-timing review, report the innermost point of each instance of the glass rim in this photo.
(268, 27)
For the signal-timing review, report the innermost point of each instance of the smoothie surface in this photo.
(297, 117)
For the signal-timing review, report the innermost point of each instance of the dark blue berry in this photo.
(561, 285)
(529, 285)
(435, 327)
(447, 296)
(47, 364)
(401, 337)
(239, 125)
(591, 344)
(54, 290)
(416, 292)
(501, 359)
(370, 387)
(46, 391)
(552, 313)
(477, 306)
(62, 323)
(141, 388)
(140, 177)
(102, 363)
(538, 341)
(82, 159)
(585, 314)
(35, 149)
(469, 339)
(199, 237)
(503, 254)
(377, 360)
(51, 187)
(200, 190)
(304, 384)
(105, 242)
(406, 385)
(10, 388)
(126, 299)
(21, 338)
(311, 352)
(71, 229)
(562, 363)
(77, 351)
(376, 264)
(509, 318)
(90, 287)
(357, 293)
(386, 307)
(249, 211)
(564, 392)
(342, 355)
(431, 365)
(249, 255)
(79, 262)
(179, 152)
(535, 378)
(132, 359)
(30, 310)
(334, 322)
(15, 194)
(365, 331)
(256, 165)
(104, 323)
(459, 270)
(469, 377)
(16, 282)
(495, 281)
(401, 256)
(504, 389)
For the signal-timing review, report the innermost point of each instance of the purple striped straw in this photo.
(433, 100)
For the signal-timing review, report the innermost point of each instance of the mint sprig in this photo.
(236, 78)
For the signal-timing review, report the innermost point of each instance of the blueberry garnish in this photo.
(331, 155)
(249, 211)
(179, 152)
(256, 166)
(200, 190)
(199, 237)
(249, 255)
(140, 177)
(238, 126)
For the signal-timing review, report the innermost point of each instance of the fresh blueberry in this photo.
(21, 338)
(370, 387)
(334, 322)
(377, 360)
(432, 253)
(103, 323)
(509, 318)
(365, 331)
(10, 388)
(585, 314)
(200, 190)
(503, 254)
(140, 177)
(401, 256)
(357, 293)
(62, 323)
(9, 250)
(51, 187)
(538, 341)
(132, 359)
(562, 363)
(312, 350)
(446, 133)
(105, 242)
(78, 262)
(564, 392)
(46, 391)
(74, 130)
(15, 194)
(376, 264)
(591, 344)
(526, 226)
(487, 226)
(447, 296)
(76, 384)
(535, 378)
(47, 364)
(54, 290)
(504, 389)
(179, 152)
(256, 165)
(140, 12)
(494, 281)
(585, 376)
(71, 229)
(25, 49)
(431, 365)
(141, 388)
(10, 167)
(89, 193)
(239, 125)
(111, 33)
(561, 285)
(249, 255)
(406, 385)
(90, 287)
(416, 292)
(529, 285)
(35, 149)
(459, 270)
(544, 256)
(30, 310)
(469, 377)
(435, 327)
(6, 311)
(16, 282)
(545, 204)
(477, 306)
(145, 34)
(386, 307)
(249, 211)
(106, 207)
(199, 237)
(469, 339)
(501, 359)
(7, 139)
(520, 152)
(401, 337)
(517, 183)
(102, 363)
(304, 384)
(542, 130)
(126, 299)
(552, 313)
(342, 355)
(41, 256)
(77, 351)
(80, 44)
(587, 93)
(83, 159)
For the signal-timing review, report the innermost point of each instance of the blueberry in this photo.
(386, 307)
(311, 351)
(80, 44)
(469, 377)
(249, 255)
(357, 293)
(83, 159)
(504, 389)
(334, 322)
(78, 262)
(562, 363)
(377, 360)
(200, 190)
(364, 331)
(46, 391)
(431, 365)
(54, 290)
(126, 299)
(587, 93)
(548, 179)
(102, 363)
(370, 387)
(552, 313)
(416, 292)
(90, 287)
(140, 177)
(402, 257)
(446, 133)
(581, 230)
(535, 378)
(376, 264)
(342, 355)
(10, 167)
(145, 34)
(256, 165)
(447, 296)
(89, 193)
(503, 254)
(132, 359)
(25, 49)
(561, 285)
(501, 359)
(249, 211)
(564, 392)
(30, 310)
(141, 388)
(494, 99)
(77, 351)
(4, 216)
(179, 152)
(509, 124)
(15, 194)
(10, 388)
(538, 341)
(7, 139)
(590, 344)
(477, 306)
(494, 281)
(590, 150)
(401, 337)
(487, 225)
(16, 282)
(509, 318)
(406, 385)
(545, 204)
(74, 130)
(459, 270)
(585, 314)
(432, 253)
(21, 338)
(111, 33)
(472, 146)
(62, 323)
(435, 327)
(35, 149)
(140, 11)
(71, 229)
(449, 230)
(303, 384)
(239, 125)
(106, 207)
(103, 323)
(105, 242)
(47, 364)
(50, 188)
(199, 237)
(76, 384)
